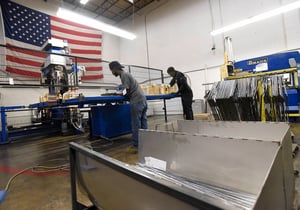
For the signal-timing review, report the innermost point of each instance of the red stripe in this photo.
(78, 42)
(92, 77)
(67, 22)
(77, 33)
(31, 173)
(23, 72)
(82, 60)
(96, 68)
(23, 61)
(79, 51)
(28, 52)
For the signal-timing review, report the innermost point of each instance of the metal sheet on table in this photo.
(231, 163)
(118, 186)
(265, 131)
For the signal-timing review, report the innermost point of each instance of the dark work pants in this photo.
(187, 107)
(138, 119)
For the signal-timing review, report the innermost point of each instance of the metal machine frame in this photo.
(61, 105)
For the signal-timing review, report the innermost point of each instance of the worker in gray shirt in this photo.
(138, 102)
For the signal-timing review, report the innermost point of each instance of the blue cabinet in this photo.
(110, 120)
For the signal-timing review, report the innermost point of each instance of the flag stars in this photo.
(28, 25)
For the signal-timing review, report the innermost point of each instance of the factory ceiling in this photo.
(115, 10)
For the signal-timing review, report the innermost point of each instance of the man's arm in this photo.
(125, 79)
(172, 82)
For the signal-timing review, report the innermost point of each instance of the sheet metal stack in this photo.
(248, 99)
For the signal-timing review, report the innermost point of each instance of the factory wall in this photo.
(177, 33)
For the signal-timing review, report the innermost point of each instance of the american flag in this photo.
(28, 28)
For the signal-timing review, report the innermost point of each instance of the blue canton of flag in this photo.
(26, 25)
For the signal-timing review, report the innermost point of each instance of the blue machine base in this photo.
(110, 120)
(292, 98)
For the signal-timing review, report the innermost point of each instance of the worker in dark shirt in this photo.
(184, 91)
(138, 102)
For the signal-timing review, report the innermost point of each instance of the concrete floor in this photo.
(51, 190)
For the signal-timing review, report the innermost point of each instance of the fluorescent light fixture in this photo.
(83, 1)
(72, 16)
(265, 15)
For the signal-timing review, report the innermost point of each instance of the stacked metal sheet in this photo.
(222, 100)
(240, 100)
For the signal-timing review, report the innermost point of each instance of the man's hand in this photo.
(119, 92)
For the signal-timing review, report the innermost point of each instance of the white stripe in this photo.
(22, 44)
(84, 47)
(87, 55)
(93, 73)
(22, 66)
(75, 28)
(24, 56)
(75, 37)
(90, 64)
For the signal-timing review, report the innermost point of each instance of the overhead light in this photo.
(72, 16)
(265, 15)
(83, 1)
(131, 1)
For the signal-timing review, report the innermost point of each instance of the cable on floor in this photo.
(35, 169)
